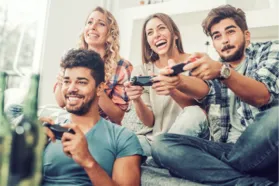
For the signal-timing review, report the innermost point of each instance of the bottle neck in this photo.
(30, 106)
(3, 82)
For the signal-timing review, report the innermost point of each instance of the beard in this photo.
(237, 55)
(83, 108)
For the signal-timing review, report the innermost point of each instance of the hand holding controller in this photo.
(178, 68)
(58, 130)
(147, 80)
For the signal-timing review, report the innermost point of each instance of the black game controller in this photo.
(178, 68)
(58, 130)
(147, 80)
(142, 80)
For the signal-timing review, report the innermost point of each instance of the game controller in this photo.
(58, 130)
(142, 80)
(147, 80)
(178, 68)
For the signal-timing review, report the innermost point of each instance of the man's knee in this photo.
(161, 148)
(268, 123)
(158, 146)
(192, 121)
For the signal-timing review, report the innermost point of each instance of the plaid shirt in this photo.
(115, 87)
(262, 64)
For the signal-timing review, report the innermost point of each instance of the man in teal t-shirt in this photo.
(100, 152)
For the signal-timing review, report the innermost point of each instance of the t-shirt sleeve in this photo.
(214, 91)
(128, 144)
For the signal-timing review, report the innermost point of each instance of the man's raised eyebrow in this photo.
(216, 32)
(228, 27)
(82, 78)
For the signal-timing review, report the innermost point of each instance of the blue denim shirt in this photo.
(262, 61)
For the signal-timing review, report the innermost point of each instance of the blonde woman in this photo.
(101, 34)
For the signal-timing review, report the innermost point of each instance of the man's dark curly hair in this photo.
(224, 12)
(85, 58)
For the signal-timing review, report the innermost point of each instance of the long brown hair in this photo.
(112, 46)
(147, 53)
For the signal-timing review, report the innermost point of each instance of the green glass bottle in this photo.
(5, 135)
(28, 142)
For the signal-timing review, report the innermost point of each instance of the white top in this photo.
(164, 108)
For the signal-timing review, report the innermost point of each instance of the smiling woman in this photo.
(101, 34)
(161, 105)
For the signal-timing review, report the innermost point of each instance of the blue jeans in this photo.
(252, 160)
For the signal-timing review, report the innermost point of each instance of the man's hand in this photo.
(164, 83)
(76, 147)
(47, 131)
(133, 92)
(203, 66)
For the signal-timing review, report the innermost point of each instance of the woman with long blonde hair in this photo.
(101, 34)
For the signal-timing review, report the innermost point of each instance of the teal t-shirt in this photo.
(106, 142)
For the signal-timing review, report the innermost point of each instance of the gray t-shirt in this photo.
(237, 128)
(106, 142)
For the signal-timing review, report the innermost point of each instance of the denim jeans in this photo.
(252, 160)
(191, 121)
(145, 144)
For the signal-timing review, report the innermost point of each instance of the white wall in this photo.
(64, 24)
(262, 19)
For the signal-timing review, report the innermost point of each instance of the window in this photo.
(19, 27)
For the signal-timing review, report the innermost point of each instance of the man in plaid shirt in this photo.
(240, 94)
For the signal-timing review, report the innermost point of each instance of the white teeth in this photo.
(159, 42)
(93, 35)
(73, 98)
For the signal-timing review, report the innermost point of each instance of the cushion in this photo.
(132, 122)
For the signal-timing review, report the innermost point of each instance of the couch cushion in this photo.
(132, 122)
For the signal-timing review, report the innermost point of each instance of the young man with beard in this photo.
(100, 152)
(240, 94)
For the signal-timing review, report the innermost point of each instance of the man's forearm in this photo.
(247, 89)
(193, 87)
(97, 175)
(182, 99)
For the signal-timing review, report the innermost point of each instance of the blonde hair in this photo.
(112, 47)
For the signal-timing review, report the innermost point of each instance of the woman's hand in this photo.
(133, 92)
(164, 84)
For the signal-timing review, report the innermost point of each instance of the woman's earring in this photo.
(151, 54)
